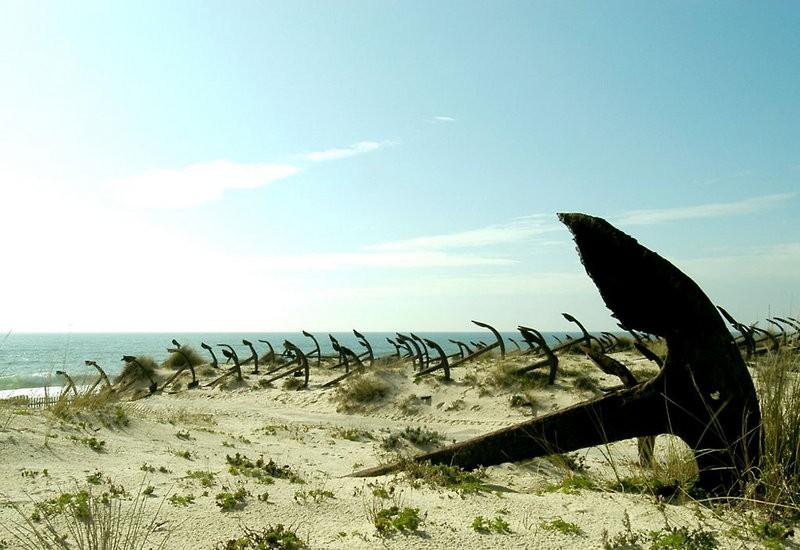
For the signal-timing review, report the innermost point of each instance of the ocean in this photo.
(29, 361)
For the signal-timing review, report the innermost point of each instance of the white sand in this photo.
(298, 428)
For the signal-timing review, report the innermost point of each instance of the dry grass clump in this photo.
(361, 390)
(178, 360)
(504, 376)
(778, 387)
(85, 521)
(131, 371)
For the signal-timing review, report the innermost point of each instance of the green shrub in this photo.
(275, 537)
(360, 390)
(393, 518)
(485, 526)
(563, 527)
(88, 523)
(232, 501)
(260, 470)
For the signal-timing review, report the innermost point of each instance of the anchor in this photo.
(703, 394)
(210, 350)
(485, 349)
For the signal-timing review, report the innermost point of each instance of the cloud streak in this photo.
(517, 230)
(194, 184)
(712, 210)
(443, 119)
(360, 148)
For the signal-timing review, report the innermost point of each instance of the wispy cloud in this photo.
(517, 230)
(712, 210)
(389, 260)
(443, 119)
(194, 184)
(360, 148)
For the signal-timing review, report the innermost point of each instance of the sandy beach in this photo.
(161, 442)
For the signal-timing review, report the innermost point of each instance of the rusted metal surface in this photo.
(550, 358)
(187, 364)
(153, 387)
(703, 394)
(364, 342)
(291, 368)
(463, 349)
(268, 357)
(316, 353)
(348, 354)
(422, 348)
(70, 384)
(253, 356)
(443, 362)
(498, 344)
(611, 366)
(210, 350)
(101, 372)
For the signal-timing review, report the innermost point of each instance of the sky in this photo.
(275, 166)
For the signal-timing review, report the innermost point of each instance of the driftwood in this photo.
(703, 394)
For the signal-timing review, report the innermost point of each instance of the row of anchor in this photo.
(752, 340)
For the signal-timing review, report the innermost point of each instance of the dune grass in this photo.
(778, 475)
(89, 522)
(132, 372)
(178, 360)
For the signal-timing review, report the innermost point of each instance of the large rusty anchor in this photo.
(70, 384)
(130, 359)
(703, 394)
(498, 343)
(230, 355)
(316, 353)
(209, 349)
(103, 376)
(187, 364)
(347, 354)
(550, 359)
(364, 342)
(299, 358)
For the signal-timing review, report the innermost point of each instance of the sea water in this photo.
(29, 361)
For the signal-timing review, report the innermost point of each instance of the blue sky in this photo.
(387, 165)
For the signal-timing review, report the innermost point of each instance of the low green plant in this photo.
(88, 524)
(205, 477)
(486, 526)
(95, 478)
(668, 538)
(442, 475)
(420, 437)
(351, 434)
(586, 382)
(275, 537)
(394, 518)
(573, 484)
(361, 390)
(97, 445)
(263, 471)
(316, 495)
(181, 500)
(228, 501)
(183, 454)
(561, 526)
